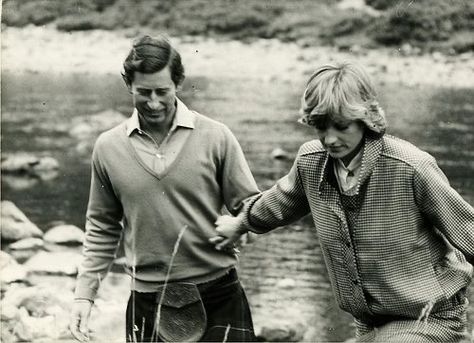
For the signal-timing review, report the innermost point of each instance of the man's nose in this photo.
(154, 102)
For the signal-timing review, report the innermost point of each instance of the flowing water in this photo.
(283, 271)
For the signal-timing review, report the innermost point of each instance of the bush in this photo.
(424, 21)
(11, 15)
(77, 23)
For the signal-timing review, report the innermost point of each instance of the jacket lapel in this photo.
(328, 188)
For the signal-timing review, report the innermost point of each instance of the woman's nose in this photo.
(330, 138)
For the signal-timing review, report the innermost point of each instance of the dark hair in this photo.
(150, 55)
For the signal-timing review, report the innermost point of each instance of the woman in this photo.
(396, 238)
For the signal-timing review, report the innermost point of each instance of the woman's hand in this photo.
(229, 230)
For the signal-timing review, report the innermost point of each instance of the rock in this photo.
(40, 300)
(90, 125)
(24, 163)
(10, 270)
(280, 154)
(64, 234)
(7, 334)
(62, 262)
(46, 328)
(358, 5)
(286, 283)
(15, 225)
(282, 333)
(19, 182)
(106, 317)
(27, 243)
(9, 312)
(121, 261)
(21, 256)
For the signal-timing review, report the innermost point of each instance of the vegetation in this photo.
(428, 24)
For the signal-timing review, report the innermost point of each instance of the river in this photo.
(283, 271)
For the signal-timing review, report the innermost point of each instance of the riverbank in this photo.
(36, 49)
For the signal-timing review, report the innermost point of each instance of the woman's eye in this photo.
(341, 127)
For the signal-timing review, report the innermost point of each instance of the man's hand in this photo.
(78, 325)
(229, 230)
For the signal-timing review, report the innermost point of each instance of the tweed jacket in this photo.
(412, 238)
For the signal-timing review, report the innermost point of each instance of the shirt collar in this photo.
(183, 118)
(355, 163)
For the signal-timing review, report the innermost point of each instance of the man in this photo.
(397, 239)
(160, 179)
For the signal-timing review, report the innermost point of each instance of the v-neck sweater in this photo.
(129, 199)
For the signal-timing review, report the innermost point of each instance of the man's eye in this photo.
(144, 92)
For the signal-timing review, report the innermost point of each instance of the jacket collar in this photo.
(372, 149)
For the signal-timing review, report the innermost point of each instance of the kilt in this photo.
(225, 303)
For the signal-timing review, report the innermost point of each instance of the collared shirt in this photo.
(159, 157)
(347, 177)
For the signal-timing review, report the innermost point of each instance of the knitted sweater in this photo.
(127, 198)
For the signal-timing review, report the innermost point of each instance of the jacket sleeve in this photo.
(444, 207)
(103, 232)
(236, 179)
(282, 204)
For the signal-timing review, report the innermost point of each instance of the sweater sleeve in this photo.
(237, 181)
(103, 232)
(444, 207)
(282, 204)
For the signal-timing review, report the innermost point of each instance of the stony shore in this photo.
(43, 49)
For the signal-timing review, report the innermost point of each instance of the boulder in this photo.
(282, 333)
(286, 283)
(25, 163)
(64, 234)
(19, 182)
(46, 328)
(39, 300)
(61, 262)
(87, 126)
(280, 154)
(15, 225)
(10, 270)
(27, 244)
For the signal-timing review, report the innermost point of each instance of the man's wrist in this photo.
(83, 300)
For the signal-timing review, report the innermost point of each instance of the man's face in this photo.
(154, 97)
(342, 140)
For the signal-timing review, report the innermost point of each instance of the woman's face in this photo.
(342, 140)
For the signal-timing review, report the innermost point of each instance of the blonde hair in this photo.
(342, 92)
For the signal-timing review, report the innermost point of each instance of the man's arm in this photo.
(103, 232)
(235, 177)
(444, 207)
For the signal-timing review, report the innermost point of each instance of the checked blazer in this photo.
(411, 239)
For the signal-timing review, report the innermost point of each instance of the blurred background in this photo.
(246, 64)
